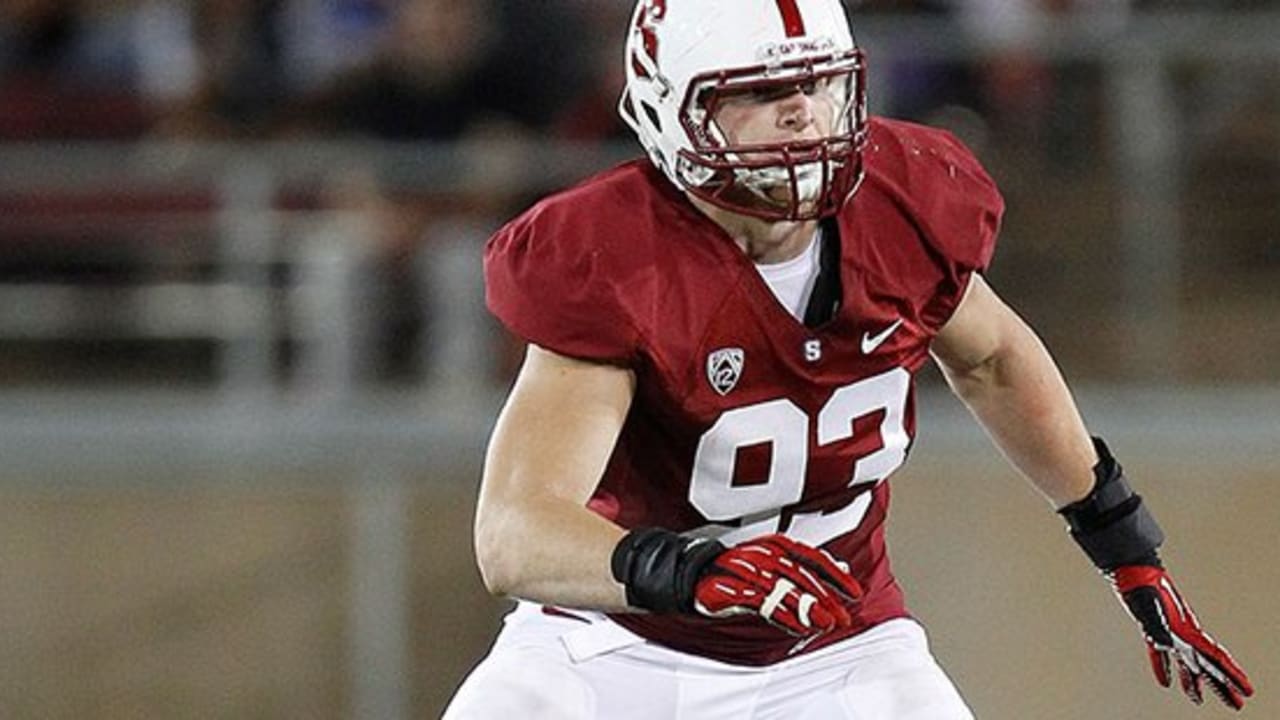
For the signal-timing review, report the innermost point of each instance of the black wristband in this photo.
(660, 568)
(1111, 524)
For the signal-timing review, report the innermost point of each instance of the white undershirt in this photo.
(792, 280)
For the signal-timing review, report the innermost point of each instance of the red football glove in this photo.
(1174, 634)
(797, 587)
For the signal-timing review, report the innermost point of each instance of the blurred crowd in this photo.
(393, 69)
(434, 69)
(388, 69)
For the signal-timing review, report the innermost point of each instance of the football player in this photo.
(686, 488)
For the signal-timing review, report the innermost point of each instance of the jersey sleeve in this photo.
(961, 209)
(548, 281)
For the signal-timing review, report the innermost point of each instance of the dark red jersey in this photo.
(746, 421)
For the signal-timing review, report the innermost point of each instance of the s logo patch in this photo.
(724, 367)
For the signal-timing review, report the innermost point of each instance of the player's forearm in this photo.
(549, 550)
(1020, 398)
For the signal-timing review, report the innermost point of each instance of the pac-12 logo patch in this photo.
(724, 367)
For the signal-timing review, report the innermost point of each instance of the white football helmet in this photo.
(683, 57)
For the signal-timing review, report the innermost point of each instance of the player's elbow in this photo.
(497, 582)
(494, 557)
(502, 569)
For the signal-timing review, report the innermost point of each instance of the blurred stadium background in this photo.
(246, 375)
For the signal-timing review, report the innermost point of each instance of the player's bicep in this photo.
(557, 430)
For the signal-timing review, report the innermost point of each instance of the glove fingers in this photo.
(797, 612)
(783, 617)
(1213, 661)
(837, 573)
(820, 617)
(765, 577)
(1231, 680)
(1226, 693)
(1191, 683)
(725, 595)
(780, 556)
(763, 567)
(799, 615)
(764, 562)
(786, 607)
(793, 609)
(1160, 665)
(1219, 664)
(1174, 635)
(804, 578)
(827, 569)
(1199, 666)
(827, 601)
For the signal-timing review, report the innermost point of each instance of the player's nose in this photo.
(795, 112)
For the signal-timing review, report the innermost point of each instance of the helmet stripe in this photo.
(791, 18)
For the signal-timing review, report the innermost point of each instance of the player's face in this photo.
(779, 113)
(773, 116)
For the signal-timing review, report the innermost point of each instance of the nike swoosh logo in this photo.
(871, 342)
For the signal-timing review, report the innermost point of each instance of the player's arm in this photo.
(535, 538)
(1001, 370)
(1003, 373)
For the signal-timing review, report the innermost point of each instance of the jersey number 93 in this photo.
(758, 508)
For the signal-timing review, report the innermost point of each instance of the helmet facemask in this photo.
(778, 180)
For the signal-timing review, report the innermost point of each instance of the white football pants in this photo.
(556, 668)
